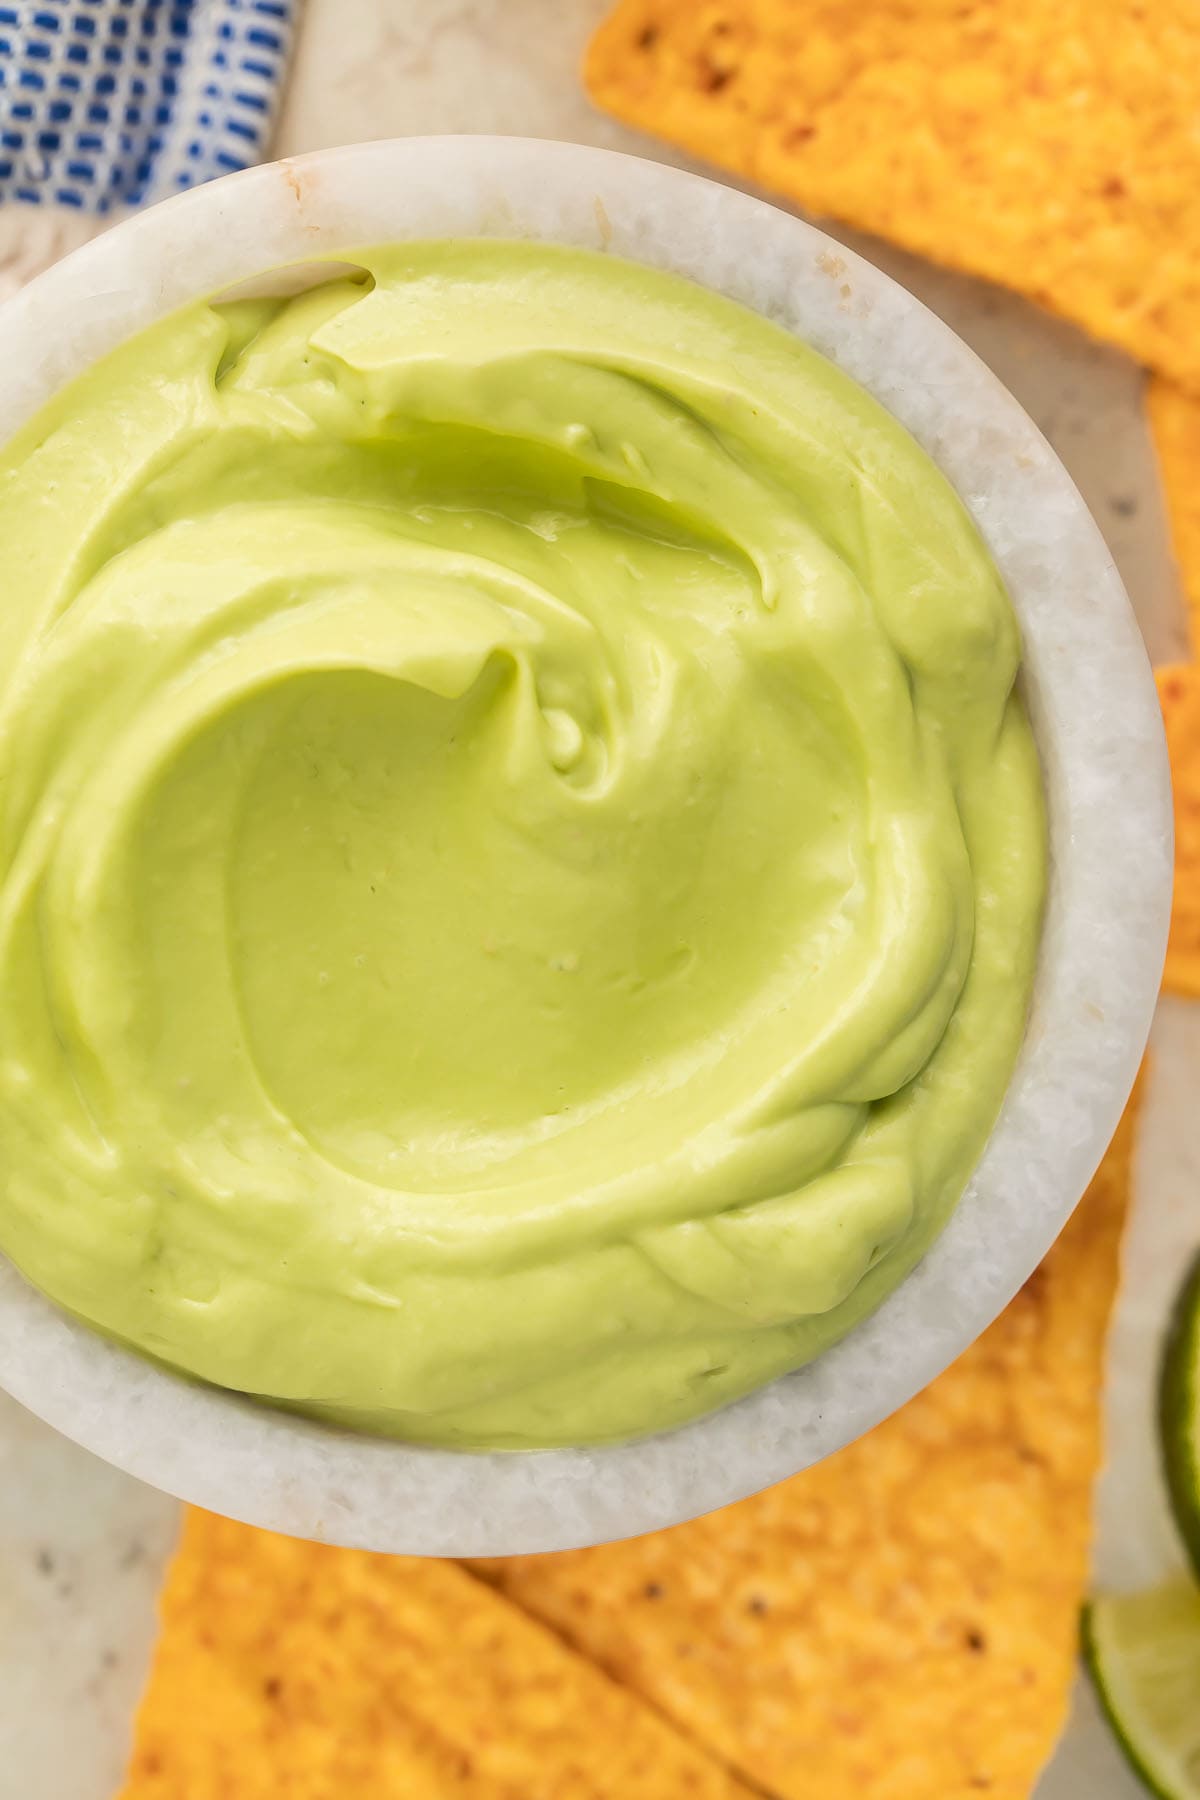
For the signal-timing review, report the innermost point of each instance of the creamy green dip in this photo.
(520, 857)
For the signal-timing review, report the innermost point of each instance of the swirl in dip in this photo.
(521, 859)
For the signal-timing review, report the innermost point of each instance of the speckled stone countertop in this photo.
(81, 1547)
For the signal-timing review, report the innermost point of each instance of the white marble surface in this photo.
(385, 67)
(81, 1555)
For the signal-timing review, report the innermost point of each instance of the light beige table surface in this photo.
(81, 1547)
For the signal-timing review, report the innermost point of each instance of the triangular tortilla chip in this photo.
(1052, 148)
(1175, 425)
(1179, 691)
(289, 1669)
(899, 1623)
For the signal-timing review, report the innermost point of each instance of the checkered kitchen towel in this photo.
(108, 104)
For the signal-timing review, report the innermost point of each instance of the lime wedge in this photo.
(1180, 1413)
(1143, 1653)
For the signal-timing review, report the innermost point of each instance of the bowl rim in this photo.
(1098, 725)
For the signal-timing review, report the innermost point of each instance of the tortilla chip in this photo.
(289, 1669)
(899, 1623)
(1175, 425)
(1179, 691)
(1052, 148)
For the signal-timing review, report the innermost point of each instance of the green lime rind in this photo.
(1143, 1654)
(1179, 1413)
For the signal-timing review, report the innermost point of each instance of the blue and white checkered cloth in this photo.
(109, 104)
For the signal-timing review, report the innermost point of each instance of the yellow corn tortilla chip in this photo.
(899, 1623)
(289, 1669)
(1052, 148)
(1179, 691)
(1175, 424)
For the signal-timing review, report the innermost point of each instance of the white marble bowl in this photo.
(1094, 710)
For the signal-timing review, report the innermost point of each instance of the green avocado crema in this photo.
(520, 857)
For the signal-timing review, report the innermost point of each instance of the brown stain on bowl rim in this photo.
(302, 182)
